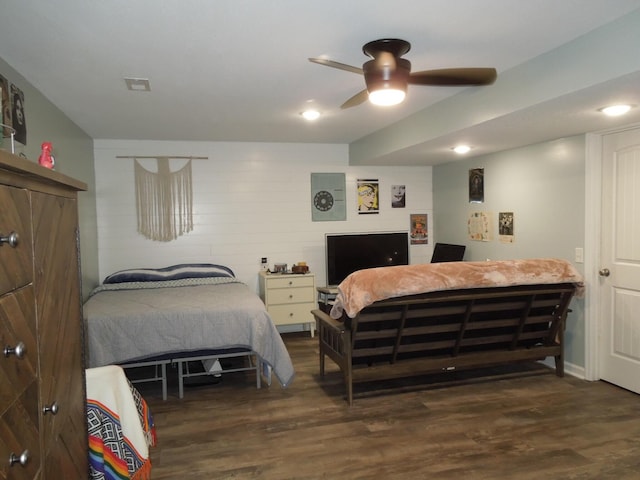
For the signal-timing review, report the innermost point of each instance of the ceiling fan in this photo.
(387, 75)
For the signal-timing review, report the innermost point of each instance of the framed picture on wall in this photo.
(18, 115)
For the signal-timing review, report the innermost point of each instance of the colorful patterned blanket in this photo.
(121, 428)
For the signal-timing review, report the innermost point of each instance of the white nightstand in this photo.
(289, 297)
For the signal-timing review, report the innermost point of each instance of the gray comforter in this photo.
(134, 321)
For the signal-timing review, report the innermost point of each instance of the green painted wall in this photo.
(543, 185)
(73, 151)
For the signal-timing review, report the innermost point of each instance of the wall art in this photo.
(328, 197)
(479, 226)
(505, 227)
(19, 119)
(419, 229)
(5, 103)
(368, 196)
(398, 196)
(476, 185)
(164, 198)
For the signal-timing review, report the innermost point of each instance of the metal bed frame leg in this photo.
(180, 380)
(164, 380)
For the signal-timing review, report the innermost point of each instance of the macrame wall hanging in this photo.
(164, 199)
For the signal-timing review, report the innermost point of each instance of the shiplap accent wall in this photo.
(250, 200)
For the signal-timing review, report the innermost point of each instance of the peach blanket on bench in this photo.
(364, 287)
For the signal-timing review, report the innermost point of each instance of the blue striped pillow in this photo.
(174, 272)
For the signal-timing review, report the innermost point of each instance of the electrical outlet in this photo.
(579, 254)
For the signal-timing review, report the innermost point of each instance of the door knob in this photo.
(604, 272)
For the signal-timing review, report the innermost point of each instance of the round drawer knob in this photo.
(23, 459)
(18, 350)
(11, 239)
(53, 408)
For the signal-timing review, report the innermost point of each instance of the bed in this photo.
(179, 314)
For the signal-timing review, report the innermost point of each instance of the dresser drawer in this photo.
(19, 434)
(290, 281)
(16, 264)
(291, 295)
(18, 368)
(290, 314)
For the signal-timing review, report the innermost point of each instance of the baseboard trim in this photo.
(569, 368)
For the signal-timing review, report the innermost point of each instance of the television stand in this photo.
(326, 298)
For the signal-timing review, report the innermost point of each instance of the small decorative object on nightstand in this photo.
(289, 298)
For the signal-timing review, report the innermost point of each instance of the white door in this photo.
(619, 272)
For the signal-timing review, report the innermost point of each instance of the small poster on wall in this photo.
(476, 185)
(398, 196)
(505, 227)
(368, 196)
(479, 226)
(5, 107)
(18, 115)
(328, 202)
(418, 228)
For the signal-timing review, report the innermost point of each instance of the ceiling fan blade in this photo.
(356, 100)
(454, 77)
(338, 65)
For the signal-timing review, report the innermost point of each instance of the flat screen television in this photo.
(347, 253)
(447, 252)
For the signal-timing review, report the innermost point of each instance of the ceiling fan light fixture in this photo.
(387, 97)
(616, 110)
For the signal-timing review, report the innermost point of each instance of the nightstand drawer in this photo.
(290, 314)
(290, 281)
(291, 295)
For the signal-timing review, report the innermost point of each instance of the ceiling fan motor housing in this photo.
(387, 75)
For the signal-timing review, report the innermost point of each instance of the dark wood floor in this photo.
(523, 425)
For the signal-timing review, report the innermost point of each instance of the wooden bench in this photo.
(445, 331)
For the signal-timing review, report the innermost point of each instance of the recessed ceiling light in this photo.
(461, 149)
(138, 84)
(311, 114)
(615, 110)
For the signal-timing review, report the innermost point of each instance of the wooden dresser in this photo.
(289, 298)
(43, 432)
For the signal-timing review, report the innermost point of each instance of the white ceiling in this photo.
(237, 70)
